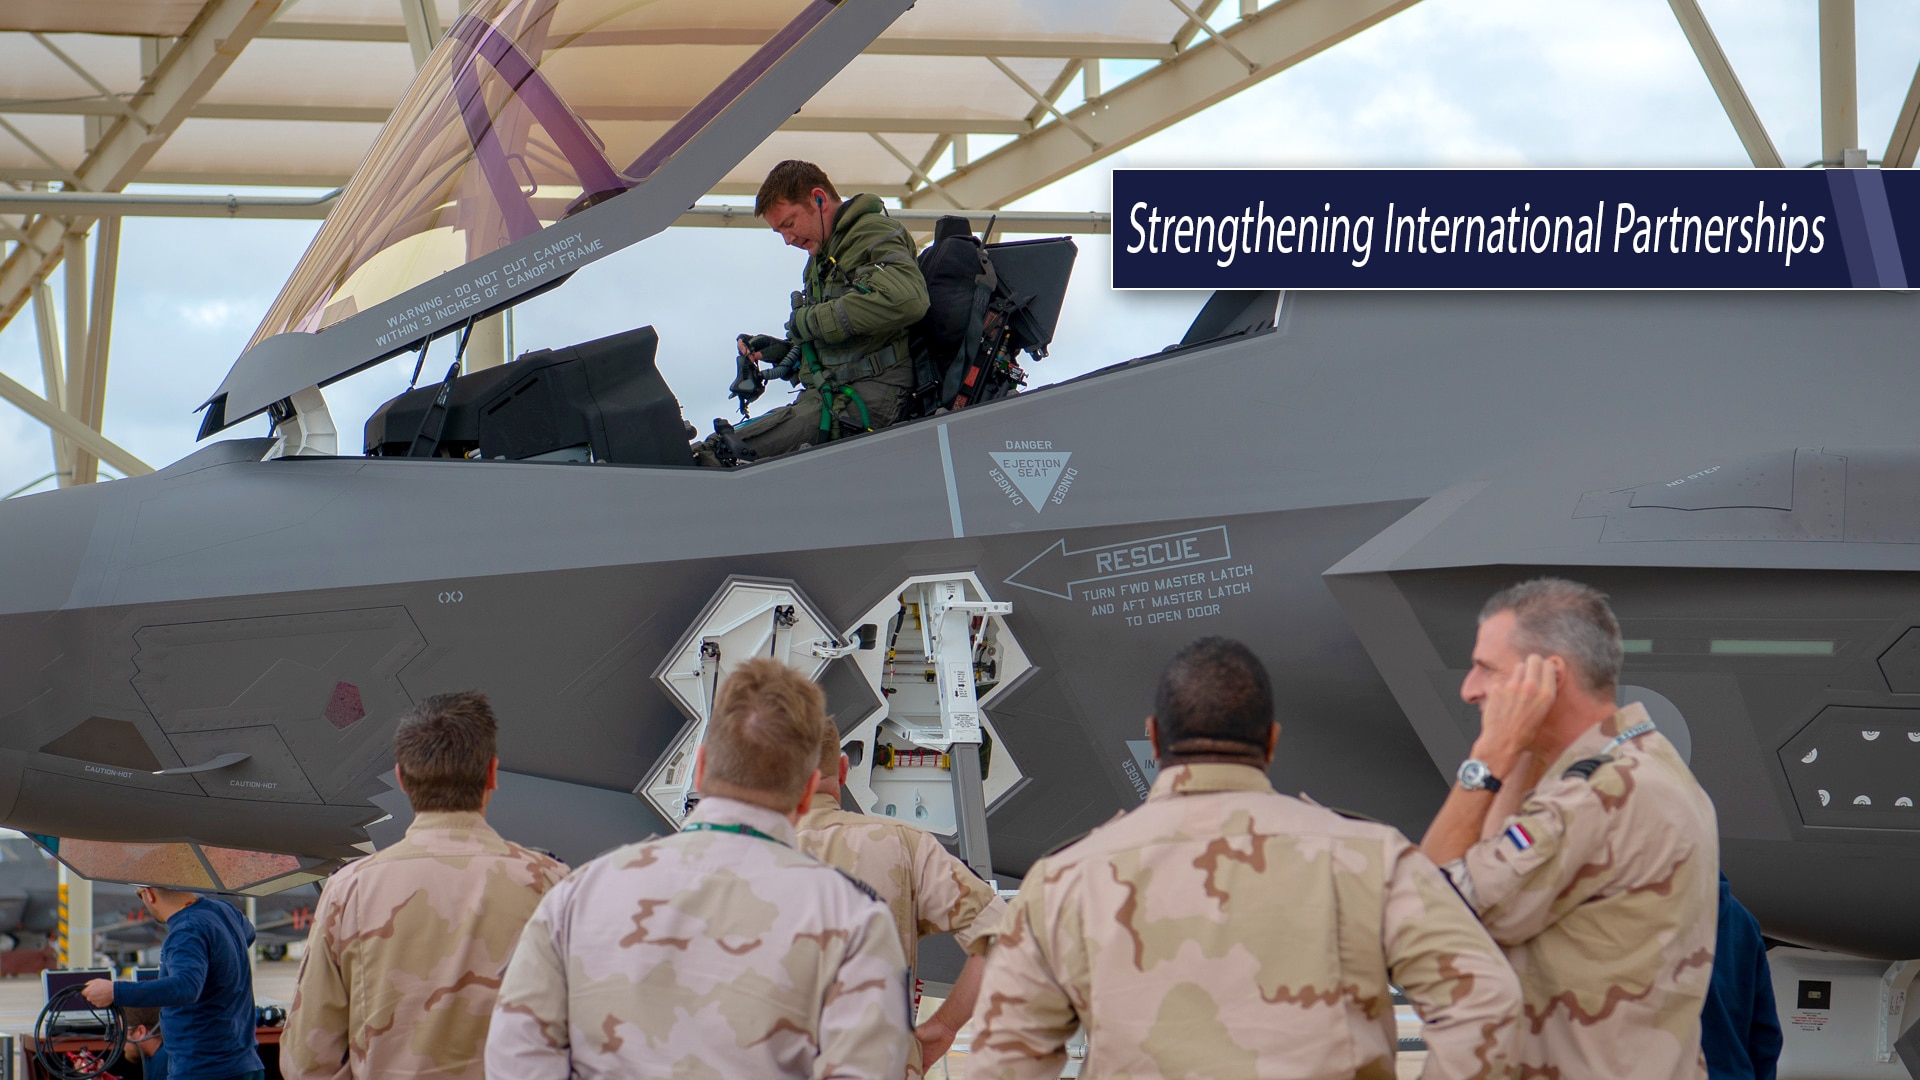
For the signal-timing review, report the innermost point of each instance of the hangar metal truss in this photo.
(964, 105)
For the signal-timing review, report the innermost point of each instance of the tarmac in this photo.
(273, 982)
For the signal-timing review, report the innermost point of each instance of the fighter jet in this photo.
(200, 669)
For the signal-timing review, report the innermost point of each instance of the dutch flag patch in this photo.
(1520, 837)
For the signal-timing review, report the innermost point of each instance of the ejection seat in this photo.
(987, 304)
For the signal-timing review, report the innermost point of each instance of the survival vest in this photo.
(863, 242)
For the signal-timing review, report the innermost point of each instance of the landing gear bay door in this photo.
(746, 618)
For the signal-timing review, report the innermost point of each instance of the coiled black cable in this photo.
(66, 1014)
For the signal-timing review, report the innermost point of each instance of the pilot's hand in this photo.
(1515, 708)
(98, 992)
(765, 347)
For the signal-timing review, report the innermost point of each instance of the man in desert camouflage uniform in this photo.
(719, 951)
(408, 945)
(1584, 843)
(927, 890)
(1223, 929)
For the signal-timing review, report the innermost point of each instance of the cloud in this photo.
(210, 314)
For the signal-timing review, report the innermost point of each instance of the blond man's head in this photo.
(763, 742)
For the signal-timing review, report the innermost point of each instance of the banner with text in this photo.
(1515, 228)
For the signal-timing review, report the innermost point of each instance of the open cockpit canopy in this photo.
(527, 111)
(497, 174)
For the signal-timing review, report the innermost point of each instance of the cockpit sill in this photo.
(472, 111)
(1225, 318)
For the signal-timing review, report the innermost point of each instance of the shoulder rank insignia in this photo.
(1584, 768)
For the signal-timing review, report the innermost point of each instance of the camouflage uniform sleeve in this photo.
(949, 898)
(864, 1030)
(889, 293)
(1025, 1017)
(1545, 858)
(1453, 974)
(314, 1044)
(529, 1036)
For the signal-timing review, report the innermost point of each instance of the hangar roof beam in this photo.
(1046, 48)
(165, 98)
(1839, 83)
(65, 424)
(1274, 39)
(1906, 130)
(1726, 85)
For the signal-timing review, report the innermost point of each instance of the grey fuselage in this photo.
(1341, 492)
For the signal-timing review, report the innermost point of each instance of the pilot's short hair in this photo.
(1557, 617)
(443, 747)
(764, 737)
(1213, 692)
(791, 181)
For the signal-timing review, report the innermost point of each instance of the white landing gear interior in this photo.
(746, 618)
(928, 755)
(1845, 1018)
(931, 650)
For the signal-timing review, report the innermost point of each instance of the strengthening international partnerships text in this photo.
(1520, 231)
(1707, 228)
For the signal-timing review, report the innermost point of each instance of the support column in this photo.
(1839, 85)
(75, 263)
(76, 905)
(487, 345)
(47, 323)
(91, 394)
(253, 920)
(423, 28)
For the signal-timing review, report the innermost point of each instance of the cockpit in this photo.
(606, 401)
(540, 137)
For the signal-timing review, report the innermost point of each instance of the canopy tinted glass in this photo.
(527, 112)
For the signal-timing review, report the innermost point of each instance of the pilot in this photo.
(1224, 929)
(846, 341)
(928, 890)
(719, 950)
(1587, 848)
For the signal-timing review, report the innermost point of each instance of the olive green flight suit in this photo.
(862, 291)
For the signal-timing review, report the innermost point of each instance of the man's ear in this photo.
(806, 796)
(700, 767)
(397, 782)
(1153, 737)
(844, 764)
(1273, 739)
(493, 775)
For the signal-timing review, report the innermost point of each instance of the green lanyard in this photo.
(738, 830)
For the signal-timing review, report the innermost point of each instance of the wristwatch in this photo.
(1475, 776)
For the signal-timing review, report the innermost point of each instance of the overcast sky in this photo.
(1448, 82)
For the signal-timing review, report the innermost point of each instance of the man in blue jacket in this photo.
(1739, 1027)
(205, 988)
